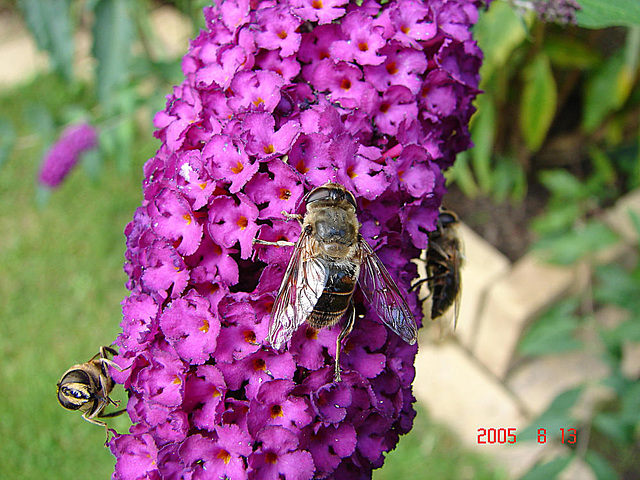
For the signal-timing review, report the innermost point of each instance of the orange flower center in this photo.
(238, 168)
(224, 456)
(276, 411)
(269, 149)
(205, 326)
(242, 222)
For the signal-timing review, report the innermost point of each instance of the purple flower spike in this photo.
(65, 153)
(280, 97)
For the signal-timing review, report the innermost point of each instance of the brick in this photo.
(483, 266)
(459, 393)
(631, 359)
(540, 380)
(577, 470)
(530, 287)
(618, 217)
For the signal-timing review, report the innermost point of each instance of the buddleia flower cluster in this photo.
(280, 97)
(66, 152)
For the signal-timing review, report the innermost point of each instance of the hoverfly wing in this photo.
(383, 294)
(301, 287)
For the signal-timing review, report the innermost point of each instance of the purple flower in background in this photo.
(280, 97)
(65, 153)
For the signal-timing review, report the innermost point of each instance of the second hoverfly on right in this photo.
(443, 260)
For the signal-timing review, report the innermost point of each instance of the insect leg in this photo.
(91, 419)
(117, 413)
(279, 243)
(346, 330)
(292, 216)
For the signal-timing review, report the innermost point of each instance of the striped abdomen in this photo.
(342, 277)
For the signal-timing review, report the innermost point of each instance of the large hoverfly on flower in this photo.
(329, 258)
(86, 387)
(443, 260)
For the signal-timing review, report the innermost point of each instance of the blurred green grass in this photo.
(62, 283)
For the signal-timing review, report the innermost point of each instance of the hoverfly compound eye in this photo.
(320, 193)
(447, 218)
(351, 199)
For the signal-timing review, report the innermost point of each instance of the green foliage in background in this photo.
(552, 95)
(131, 72)
(609, 435)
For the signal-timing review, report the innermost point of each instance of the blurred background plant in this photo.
(555, 96)
(556, 128)
(603, 320)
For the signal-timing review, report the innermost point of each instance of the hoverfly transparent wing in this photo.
(383, 294)
(301, 287)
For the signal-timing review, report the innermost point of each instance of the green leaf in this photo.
(604, 171)
(483, 134)
(460, 173)
(553, 331)
(562, 184)
(607, 13)
(40, 120)
(631, 403)
(616, 286)
(570, 53)
(549, 470)
(600, 466)
(614, 427)
(555, 417)
(92, 163)
(7, 139)
(113, 36)
(509, 179)
(50, 24)
(538, 101)
(498, 31)
(606, 90)
(572, 246)
(557, 220)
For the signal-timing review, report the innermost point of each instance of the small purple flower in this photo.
(279, 30)
(364, 40)
(65, 153)
(137, 456)
(322, 11)
(279, 457)
(231, 223)
(190, 328)
(222, 457)
(279, 97)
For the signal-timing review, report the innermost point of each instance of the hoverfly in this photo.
(329, 258)
(443, 261)
(86, 387)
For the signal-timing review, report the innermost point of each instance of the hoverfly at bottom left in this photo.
(86, 387)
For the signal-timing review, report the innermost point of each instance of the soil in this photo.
(504, 225)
